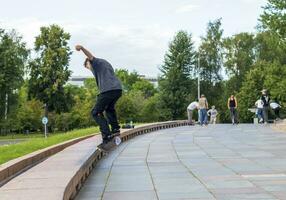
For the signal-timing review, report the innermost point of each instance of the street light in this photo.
(199, 77)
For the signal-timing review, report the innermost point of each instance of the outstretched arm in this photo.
(85, 51)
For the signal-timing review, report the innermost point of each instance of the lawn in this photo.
(37, 142)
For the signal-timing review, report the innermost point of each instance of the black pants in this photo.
(106, 103)
(233, 115)
(277, 112)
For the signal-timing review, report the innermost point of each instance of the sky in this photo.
(130, 34)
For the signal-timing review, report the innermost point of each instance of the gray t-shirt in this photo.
(104, 75)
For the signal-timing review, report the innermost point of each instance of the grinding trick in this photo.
(110, 91)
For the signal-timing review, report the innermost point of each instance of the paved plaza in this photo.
(203, 163)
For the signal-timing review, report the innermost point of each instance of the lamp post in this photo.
(199, 92)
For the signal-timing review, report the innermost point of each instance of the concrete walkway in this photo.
(215, 162)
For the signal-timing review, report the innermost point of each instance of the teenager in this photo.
(110, 91)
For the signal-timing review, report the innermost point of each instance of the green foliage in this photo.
(264, 75)
(274, 17)
(13, 57)
(239, 57)
(129, 106)
(127, 78)
(17, 150)
(210, 53)
(29, 112)
(175, 82)
(150, 111)
(49, 72)
(145, 87)
(270, 47)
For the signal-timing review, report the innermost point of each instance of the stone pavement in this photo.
(215, 162)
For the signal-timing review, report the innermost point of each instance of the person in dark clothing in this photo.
(110, 91)
(266, 102)
(232, 106)
(275, 106)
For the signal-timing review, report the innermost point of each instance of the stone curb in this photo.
(16, 166)
(83, 172)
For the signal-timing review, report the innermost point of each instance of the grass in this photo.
(37, 142)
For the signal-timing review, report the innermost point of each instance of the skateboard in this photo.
(115, 141)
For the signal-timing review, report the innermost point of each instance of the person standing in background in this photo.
(232, 106)
(266, 99)
(194, 105)
(259, 112)
(203, 106)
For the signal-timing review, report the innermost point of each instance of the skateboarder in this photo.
(110, 91)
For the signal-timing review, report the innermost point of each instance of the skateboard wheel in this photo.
(117, 140)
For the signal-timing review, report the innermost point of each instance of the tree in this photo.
(49, 71)
(150, 111)
(211, 64)
(145, 87)
(175, 83)
(129, 106)
(263, 75)
(239, 57)
(13, 57)
(274, 17)
(210, 53)
(268, 47)
(127, 78)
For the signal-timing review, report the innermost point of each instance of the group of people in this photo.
(111, 90)
(204, 111)
(263, 106)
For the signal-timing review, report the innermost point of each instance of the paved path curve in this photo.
(215, 162)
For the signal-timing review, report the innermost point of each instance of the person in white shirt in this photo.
(213, 114)
(276, 108)
(259, 111)
(194, 105)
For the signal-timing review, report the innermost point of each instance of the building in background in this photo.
(79, 80)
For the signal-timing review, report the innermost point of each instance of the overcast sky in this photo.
(131, 34)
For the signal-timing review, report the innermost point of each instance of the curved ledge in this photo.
(17, 166)
(85, 169)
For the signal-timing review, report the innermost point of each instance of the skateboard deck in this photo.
(115, 141)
